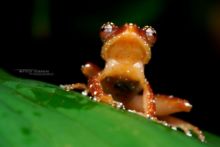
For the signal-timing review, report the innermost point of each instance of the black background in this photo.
(185, 58)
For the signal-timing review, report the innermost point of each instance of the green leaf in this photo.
(35, 113)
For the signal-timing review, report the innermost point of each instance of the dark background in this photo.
(50, 40)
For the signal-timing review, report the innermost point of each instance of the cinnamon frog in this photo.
(126, 50)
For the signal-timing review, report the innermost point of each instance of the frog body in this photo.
(126, 50)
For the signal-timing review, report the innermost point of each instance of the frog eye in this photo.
(107, 30)
(150, 34)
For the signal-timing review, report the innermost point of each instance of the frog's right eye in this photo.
(107, 30)
(150, 34)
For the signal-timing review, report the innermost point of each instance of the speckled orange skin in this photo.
(126, 50)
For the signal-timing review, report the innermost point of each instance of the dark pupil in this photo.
(153, 33)
(150, 32)
(102, 29)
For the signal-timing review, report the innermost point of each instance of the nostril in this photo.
(141, 92)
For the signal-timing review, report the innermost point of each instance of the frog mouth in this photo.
(121, 88)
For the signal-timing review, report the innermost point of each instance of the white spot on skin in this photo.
(133, 87)
(153, 101)
(85, 92)
(87, 65)
(148, 94)
(148, 116)
(174, 128)
(171, 96)
(165, 124)
(187, 104)
(120, 105)
(95, 92)
(66, 87)
(130, 24)
(132, 111)
(94, 98)
(62, 86)
(188, 134)
(139, 66)
(97, 84)
(111, 63)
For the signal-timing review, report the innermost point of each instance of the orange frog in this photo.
(122, 82)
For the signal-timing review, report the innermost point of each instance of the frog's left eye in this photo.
(150, 34)
(107, 30)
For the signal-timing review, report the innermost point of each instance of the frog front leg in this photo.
(97, 92)
(89, 70)
(94, 88)
(92, 72)
(75, 86)
(148, 101)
